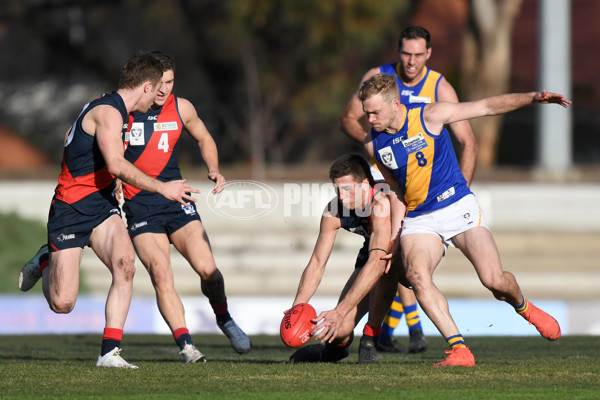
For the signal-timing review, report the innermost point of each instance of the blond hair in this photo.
(383, 84)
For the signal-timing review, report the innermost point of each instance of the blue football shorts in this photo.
(68, 228)
(166, 219)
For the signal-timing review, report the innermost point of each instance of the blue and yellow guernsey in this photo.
(424, 91)
(424, 164)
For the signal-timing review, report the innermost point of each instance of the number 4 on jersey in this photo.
(163, 143)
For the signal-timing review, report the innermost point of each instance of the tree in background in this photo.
(288, 67)
(268, 77)
(486, 65)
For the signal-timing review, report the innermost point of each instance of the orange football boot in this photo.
(543, 322)
(459, 357)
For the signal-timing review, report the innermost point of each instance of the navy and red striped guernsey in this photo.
(84, 181)
(154, 148)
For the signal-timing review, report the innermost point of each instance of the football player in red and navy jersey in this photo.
(362, 208)
(85, 212)
(155, 222)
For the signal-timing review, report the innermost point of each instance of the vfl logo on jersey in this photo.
(387, 157)
(419, 99)
(414, 144)
(165, 126)
(136, 136)
(189, 210)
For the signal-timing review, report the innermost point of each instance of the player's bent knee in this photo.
(210, 273)
(414, 279)
(125, 267)
(161, 277)
(497, 283)
(63, 307)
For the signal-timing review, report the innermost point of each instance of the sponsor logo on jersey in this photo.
(152, 117)
(63, 236)
(446, 195)
(136, 136)
(406, 92)
(414, 144)
(419, 99)
(165, 126)
(387, 157)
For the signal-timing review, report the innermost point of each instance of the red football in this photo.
(296, 325)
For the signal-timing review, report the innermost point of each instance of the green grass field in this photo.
(63, 367)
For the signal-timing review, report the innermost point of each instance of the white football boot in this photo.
(112, 359)
(191, 354)
(30, 273)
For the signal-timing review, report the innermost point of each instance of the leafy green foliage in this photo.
(19, 241)
(269, 78)
(293, 65)
(507, 368)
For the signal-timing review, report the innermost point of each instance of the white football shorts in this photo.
(448, 221)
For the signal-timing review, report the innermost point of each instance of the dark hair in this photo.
(351, 164)
(167, 61)
(415, 32)
(139, 69)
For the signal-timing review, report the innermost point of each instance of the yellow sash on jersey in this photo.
(419, 164)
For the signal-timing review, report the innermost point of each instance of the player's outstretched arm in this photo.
(437, 115)
(463, 133)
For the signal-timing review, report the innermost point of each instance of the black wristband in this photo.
(377, 248)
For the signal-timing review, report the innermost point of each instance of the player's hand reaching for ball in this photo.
(328, 325)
